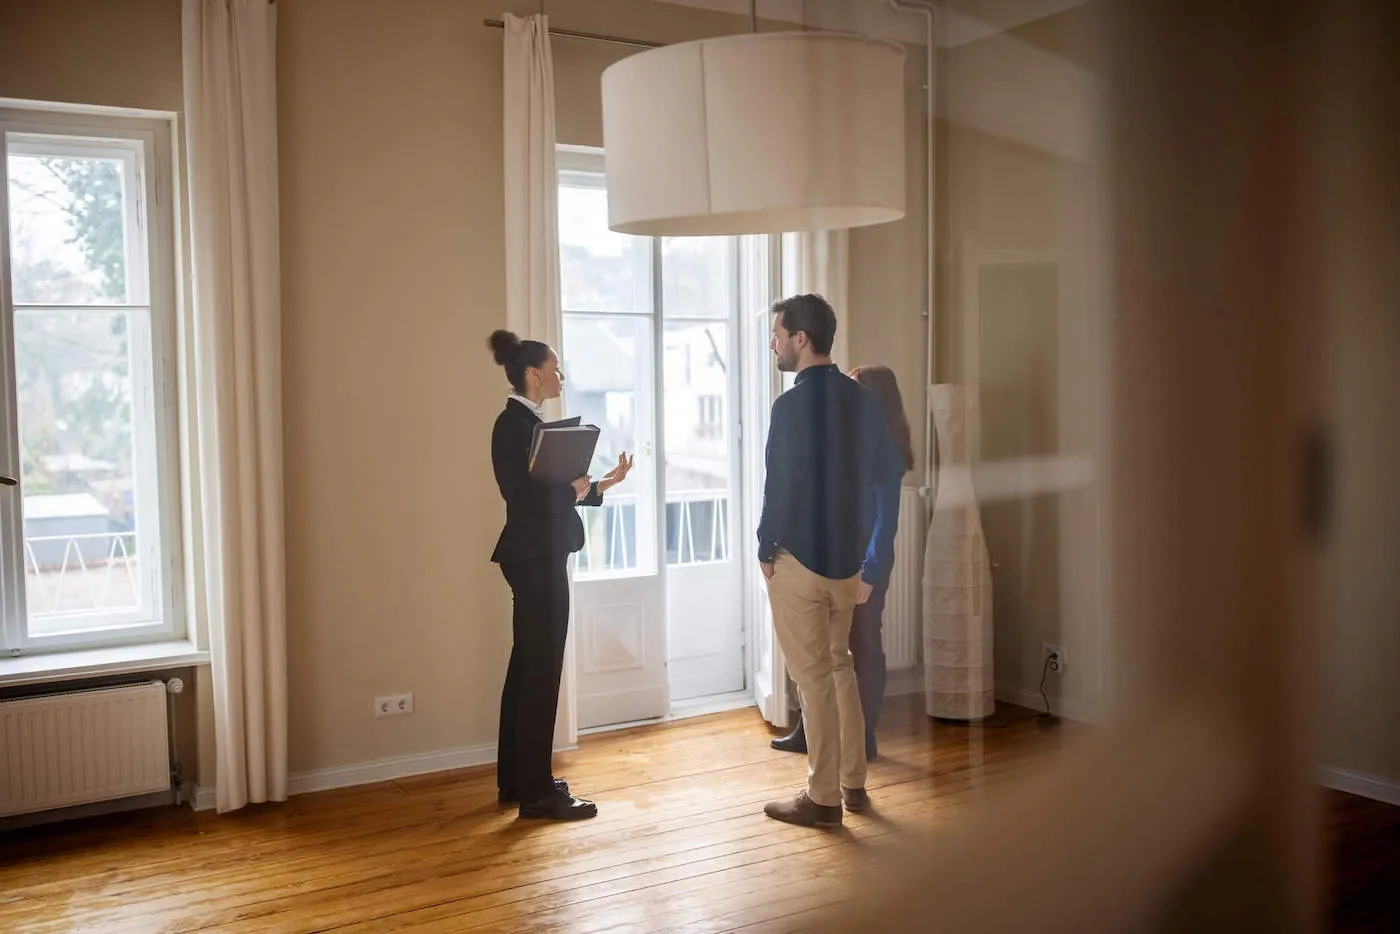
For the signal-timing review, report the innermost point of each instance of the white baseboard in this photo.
(1070, 710)
(377, 770)
(204, 798)
(383, 770)
(900, 682)
(1375, 787)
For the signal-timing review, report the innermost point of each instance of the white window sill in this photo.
(93, 663)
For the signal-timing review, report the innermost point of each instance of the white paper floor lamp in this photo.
(958, 672)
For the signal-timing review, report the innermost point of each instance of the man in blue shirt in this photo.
(828, 446)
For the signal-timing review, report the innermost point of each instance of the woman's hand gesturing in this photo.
(617, 474)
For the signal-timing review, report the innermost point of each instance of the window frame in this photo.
(152, 138)
(584, 167)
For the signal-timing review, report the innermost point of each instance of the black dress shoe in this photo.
(559, 806)
(511, 796)
(796, 741)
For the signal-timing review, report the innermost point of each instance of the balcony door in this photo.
(609, 357)
(704, 570)
(650, 348)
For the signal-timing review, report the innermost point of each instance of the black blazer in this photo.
(540, 517)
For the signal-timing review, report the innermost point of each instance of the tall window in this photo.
(87, 535)
(605, 283)
(699, 282)
(617, 292)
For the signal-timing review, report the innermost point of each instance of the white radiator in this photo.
(903, 614)
(79, 747)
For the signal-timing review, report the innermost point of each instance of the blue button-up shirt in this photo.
(831, 471)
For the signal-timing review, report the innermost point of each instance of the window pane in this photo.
(68, 219)
(697, 527)
(606, 369)
(696, 278)
(78, 468)
(697, 441)
(697, 406)
(599, 270)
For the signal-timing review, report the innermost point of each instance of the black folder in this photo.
(570, 422)
(561, 452)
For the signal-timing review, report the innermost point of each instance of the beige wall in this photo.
(888, 278)
(1033, 192)
(1018, 315)
(1359, 213)
(390, 122)
(117, 54)
(1361, 645)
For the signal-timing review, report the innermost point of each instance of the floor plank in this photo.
(681, 844)
(1362, 855)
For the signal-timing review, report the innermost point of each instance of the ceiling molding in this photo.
(962, 21)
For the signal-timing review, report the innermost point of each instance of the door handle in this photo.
(8, 481)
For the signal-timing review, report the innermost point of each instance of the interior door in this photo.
(610, 362)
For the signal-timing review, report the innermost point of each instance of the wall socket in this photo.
(1059, 652)
(395, 705)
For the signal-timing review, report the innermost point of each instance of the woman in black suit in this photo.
(542, 530)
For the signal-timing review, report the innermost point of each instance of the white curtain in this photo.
(821, 262)
(232, 389)
(532, 232)
(531, 185)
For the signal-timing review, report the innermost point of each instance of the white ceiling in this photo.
(788, 10)
(962, 20)
(1010, 88)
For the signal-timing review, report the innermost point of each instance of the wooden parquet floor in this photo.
(681, 843)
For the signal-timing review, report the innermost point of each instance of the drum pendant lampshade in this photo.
(755, 133)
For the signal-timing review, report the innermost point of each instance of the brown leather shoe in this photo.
(804, 812)
(856, 799)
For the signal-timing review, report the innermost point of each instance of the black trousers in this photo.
(531, 696)
(868, 654)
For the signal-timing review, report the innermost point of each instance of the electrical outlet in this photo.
(395, 705)
(1060, 663)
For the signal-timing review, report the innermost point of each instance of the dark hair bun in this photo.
(505, 346)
